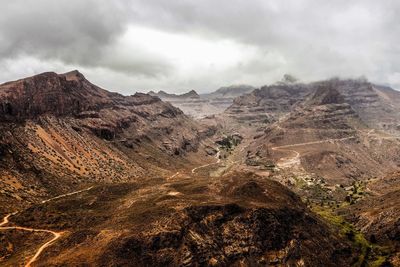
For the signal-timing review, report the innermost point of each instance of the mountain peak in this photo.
(325, 94)
(49, 92)
(191, 94)
(288, 78)
(74, 75)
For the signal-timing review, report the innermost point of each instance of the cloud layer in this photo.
(177, 45)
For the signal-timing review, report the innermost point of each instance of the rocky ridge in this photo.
(377, 106)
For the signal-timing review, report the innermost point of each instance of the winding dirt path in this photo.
(292, 161)
(5, 219)
(56, 235)
(289, 161)
(206, 165)
(315, 142)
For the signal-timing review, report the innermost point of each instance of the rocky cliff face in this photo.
(66, 94)
(324, 109)
(324, 94)
(268, 103)
(377, 106)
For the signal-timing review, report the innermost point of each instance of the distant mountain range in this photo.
(163, 95)
(201, 105)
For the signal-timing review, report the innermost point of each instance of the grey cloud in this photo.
(311, 39)
(323, 37)
(271, 22)
(76, 32)
(70, 30)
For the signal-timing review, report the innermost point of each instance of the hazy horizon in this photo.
(177, 46)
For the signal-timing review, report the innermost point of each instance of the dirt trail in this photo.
(5, 219)
(292, 161)
(56, 235)
(289, 161)
(42, 247)
(382, 135)
(65, 195)
(205, 165)
(173, 176)
(315, 142)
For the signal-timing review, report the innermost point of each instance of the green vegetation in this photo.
(230, 142)
(356, 192)
(300, 182)
(370, 255)
(270, 165)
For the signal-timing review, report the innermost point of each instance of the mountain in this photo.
(331, 135)
(59, 131)
(268, 103)
(190, 103)
(165, 96)
(200, 106)
(66, 94)
(325, 112)
(230, 91)
(376, 105)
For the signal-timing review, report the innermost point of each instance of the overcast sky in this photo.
(178, 45)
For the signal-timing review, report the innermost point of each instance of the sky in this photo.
(179, 45)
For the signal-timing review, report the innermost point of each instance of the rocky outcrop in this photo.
(227, 235)
(324, 94)
(68, 94)
(52, 94)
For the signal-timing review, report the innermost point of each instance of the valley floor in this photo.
(64, 228)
